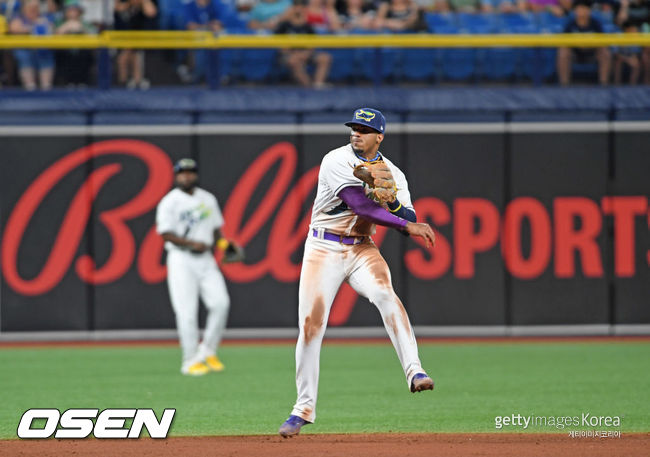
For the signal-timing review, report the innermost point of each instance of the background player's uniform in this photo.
(327, 263)
(190, 275)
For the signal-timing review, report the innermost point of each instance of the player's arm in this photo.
(402, 206)
(399, 210)
(356, 199)
(185, 243)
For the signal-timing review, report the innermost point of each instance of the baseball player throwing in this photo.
(189, 220)
(358, 187)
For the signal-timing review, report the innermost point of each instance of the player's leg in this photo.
(215, 296)
(184, 294)
(320, 278)
(370, 277)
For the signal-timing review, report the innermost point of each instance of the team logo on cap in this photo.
(364, 115)
(185, 165)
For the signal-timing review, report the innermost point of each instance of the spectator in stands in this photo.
(134, 15)
(627, 56)
(398, 16)
(459, 6)
(558, 8)
(9, 9)
(75, 64)
(298, 59)
(322, 16)
(202, 15)
(357, 15)
(99, 13)
(605, 6)
(637, 12)
(503, 6)
(31, 21)
(583, 23)
(266, 15)
(244, 6)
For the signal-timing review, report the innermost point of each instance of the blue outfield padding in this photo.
(454, 117)
(42, 118)
(246, 118)
(141, 118)
(335, 117)
(633, 115)
(560, 116)
(261, 100)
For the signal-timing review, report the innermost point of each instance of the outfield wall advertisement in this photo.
(533, 227)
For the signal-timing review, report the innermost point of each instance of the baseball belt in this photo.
(339, 238)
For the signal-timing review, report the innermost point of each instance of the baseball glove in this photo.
(379, 179)
(233, 253)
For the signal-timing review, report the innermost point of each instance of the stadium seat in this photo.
(256, 64)
(234, 22)
(437, 21)
(517, 23)
(343, 64)
(419, 64)
(549, 23)
(587, 70)
(389, 62)
(504, 63)
(458, 64)
(498, 63)
(477, 23)
(538, 64)
(228, 60)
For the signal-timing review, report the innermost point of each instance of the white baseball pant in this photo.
(326, 264)
(190, 276)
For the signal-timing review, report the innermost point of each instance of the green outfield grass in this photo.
(362, 388)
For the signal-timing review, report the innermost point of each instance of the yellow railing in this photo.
(187, 40)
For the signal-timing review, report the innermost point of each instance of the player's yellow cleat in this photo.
(214, 364)
(197, 369)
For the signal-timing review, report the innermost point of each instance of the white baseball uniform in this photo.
(326, 264)
(191, 275)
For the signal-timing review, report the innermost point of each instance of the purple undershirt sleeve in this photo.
(356, 199)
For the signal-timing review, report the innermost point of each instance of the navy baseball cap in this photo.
(186, 165)
(370, 118)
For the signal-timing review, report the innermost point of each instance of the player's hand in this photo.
(422, 230)
(197, 246)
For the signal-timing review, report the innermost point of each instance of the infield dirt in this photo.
(363, 445)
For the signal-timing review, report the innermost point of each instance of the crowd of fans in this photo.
(309, 68)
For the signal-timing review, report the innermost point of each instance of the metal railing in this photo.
(206, 40)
